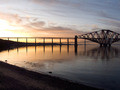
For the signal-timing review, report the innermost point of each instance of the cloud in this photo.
(106, 15)
(59, 30)
(56, 2)
(53, 31)
(17, 20)
(14, 19)
(36, 25)
(54, 28)
(46, 1)
(81, 8)
(112, 22)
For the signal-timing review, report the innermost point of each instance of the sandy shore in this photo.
(16, 78)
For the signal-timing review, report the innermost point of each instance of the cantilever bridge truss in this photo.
(103, 37)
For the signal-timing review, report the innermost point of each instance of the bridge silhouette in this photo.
(103, 37)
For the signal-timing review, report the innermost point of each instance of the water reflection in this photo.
(60, 48)
(103, 53)
(52, 47)
(81, 63)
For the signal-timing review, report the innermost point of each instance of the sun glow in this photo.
(8, 30)
(4, 25)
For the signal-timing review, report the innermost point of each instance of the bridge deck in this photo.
(103, 37)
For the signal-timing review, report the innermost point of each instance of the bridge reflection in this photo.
(104, 53)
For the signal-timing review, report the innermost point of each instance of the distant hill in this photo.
(6, 43)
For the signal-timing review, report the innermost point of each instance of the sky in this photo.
(66, 18)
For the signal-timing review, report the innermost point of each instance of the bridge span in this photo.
(103, 37)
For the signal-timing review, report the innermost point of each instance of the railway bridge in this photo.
(103, 37)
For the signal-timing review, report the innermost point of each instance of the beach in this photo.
(13, 77)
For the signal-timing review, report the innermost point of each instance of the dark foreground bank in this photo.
(13, 77)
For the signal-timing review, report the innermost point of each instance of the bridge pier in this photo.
(76, 44)
(76, 40)
(17, 40)
(8, 39)
(52, 41)
(104, 45)
(85, 42)
(109, 45)
(67, 41)
(26, 41)
(60, 42)
(101, 44)
(35, 41)
(43, 41)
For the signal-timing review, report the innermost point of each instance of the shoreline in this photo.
(13, 77)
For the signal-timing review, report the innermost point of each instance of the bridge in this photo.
(103, 37)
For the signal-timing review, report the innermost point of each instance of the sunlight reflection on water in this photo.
(90, 64)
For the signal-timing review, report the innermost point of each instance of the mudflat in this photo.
(16, 78)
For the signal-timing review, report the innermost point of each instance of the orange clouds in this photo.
(34, 27)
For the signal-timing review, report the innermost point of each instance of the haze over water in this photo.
(91, 65)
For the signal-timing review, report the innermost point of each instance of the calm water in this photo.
(90, 65)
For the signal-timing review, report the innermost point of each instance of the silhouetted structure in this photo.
(103, 37)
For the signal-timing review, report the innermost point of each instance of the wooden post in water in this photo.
(67, 41)
(8, 38)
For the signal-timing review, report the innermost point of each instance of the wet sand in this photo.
(16, 78)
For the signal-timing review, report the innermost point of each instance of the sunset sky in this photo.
(57, 17)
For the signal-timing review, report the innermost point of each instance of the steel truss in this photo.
(103, 37)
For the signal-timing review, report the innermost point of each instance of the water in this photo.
(90, 64)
